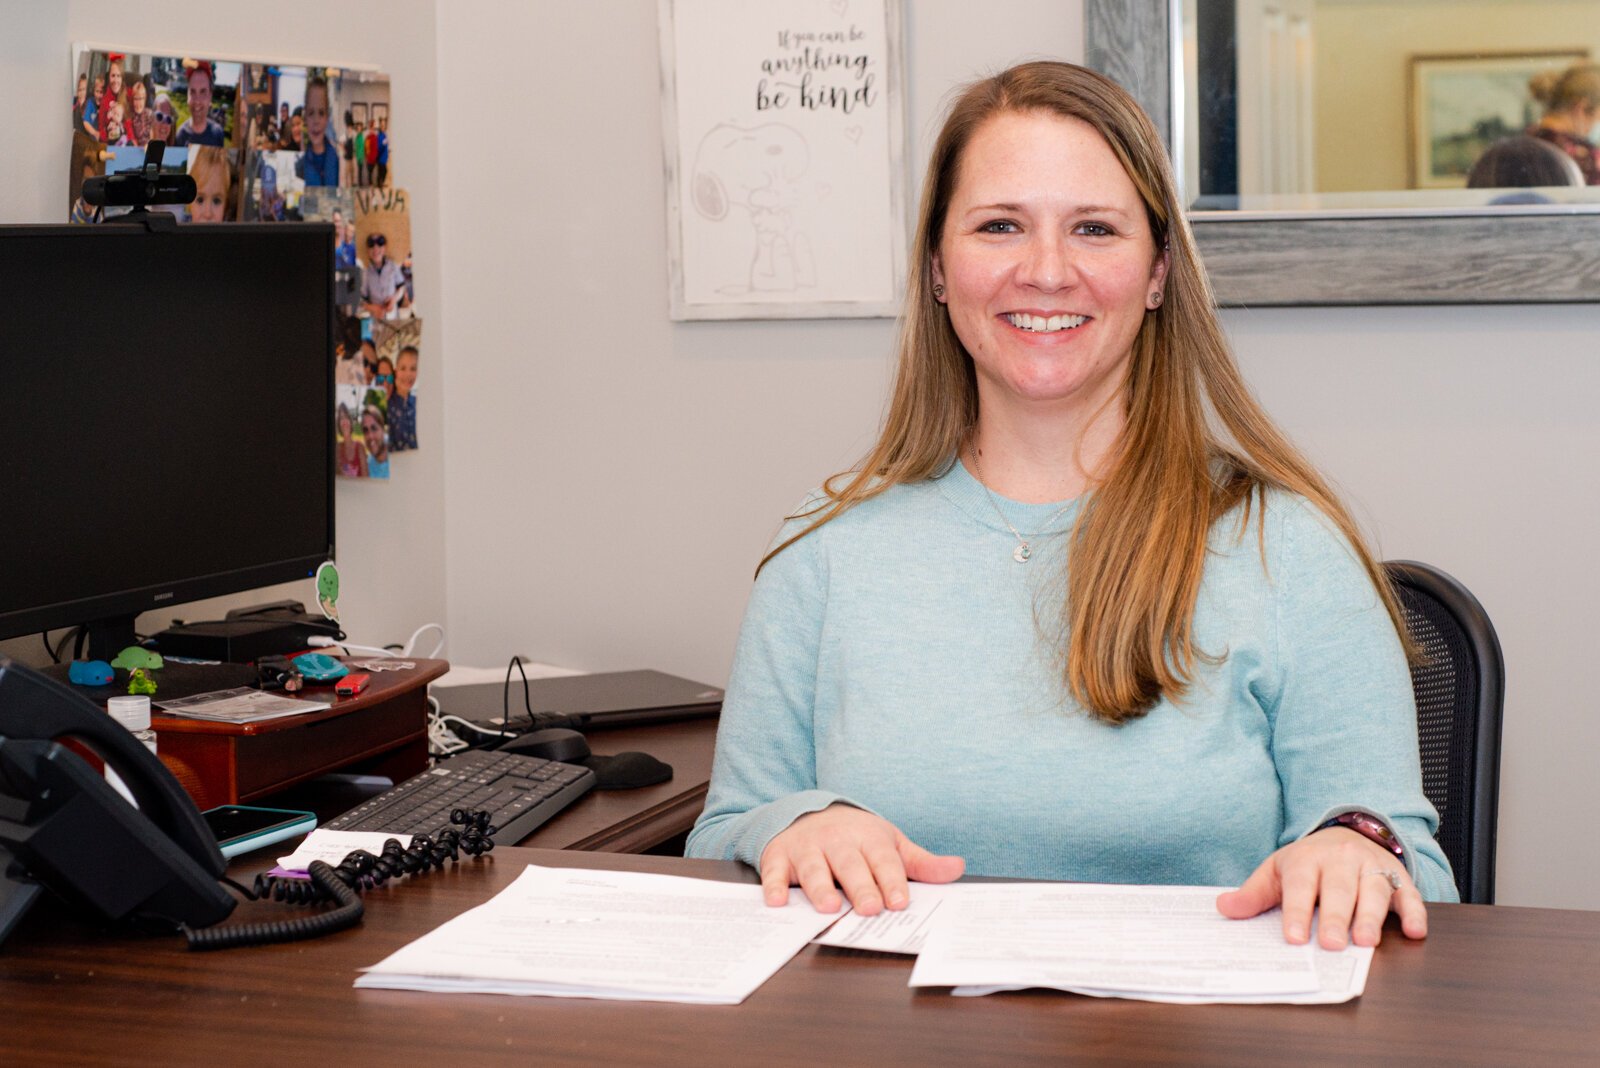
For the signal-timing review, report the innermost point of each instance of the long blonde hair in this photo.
(1138, 548)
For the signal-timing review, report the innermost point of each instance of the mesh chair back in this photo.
(1460, 690)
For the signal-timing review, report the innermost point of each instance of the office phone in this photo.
(63, 828)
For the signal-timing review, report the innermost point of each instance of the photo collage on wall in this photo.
(278, 143)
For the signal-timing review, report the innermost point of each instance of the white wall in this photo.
(613, 477)
(1468, 438)
(390, 535)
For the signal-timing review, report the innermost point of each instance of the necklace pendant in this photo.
(1021, 553)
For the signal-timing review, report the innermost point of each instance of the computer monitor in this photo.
(166, 418)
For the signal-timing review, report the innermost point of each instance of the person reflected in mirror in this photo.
(1571, 100)
(1523, 163)
(1215, 692)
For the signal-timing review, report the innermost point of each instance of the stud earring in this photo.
(1155, 300)
(938, 291)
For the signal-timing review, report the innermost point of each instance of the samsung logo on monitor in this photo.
(164, 596)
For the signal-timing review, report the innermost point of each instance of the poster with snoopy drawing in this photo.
(784, 136)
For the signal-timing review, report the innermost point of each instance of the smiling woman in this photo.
(1180, 704)
(1048, 266)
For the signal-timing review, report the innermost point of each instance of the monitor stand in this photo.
(108, 637)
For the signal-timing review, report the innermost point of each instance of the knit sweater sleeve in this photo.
(764, 776)
(1344, 733)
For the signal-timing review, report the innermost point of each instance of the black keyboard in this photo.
(519, 793)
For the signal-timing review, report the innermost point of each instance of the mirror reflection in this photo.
(1312, 104)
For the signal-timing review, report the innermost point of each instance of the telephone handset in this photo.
(62, 827)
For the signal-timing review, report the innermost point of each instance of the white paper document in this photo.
(567, 932)
(239, 705)
(331, 847)
(891, 931)
(1164, 943)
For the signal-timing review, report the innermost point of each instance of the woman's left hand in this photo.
(1346, 875)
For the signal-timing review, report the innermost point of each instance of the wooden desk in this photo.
(1491, 985)
(383, 731)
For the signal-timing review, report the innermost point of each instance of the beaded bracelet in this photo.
(1368, 827)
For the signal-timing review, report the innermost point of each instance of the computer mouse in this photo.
(551, 743)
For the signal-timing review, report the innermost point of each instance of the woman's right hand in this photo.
(865, 854)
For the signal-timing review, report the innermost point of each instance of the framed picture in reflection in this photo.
(1462, 103)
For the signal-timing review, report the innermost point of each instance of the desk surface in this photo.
(632, 821)
(1491, 985)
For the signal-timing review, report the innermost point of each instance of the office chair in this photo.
(1460, 689)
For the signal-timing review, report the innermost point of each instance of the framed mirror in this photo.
(1290, 243)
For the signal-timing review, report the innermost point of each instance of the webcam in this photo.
(140, 188)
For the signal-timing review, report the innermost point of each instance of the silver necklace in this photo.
(1024, 550)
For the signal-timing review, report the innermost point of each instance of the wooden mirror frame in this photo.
(1503, 255)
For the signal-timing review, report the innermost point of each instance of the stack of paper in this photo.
(623, 935)
(1154, 943)
(569, 932)
(240, 705)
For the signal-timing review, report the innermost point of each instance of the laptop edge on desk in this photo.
(604, 699)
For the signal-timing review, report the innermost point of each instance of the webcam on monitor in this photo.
(140, 188)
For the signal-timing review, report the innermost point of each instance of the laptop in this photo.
(603, 699)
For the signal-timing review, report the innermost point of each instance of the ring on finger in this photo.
(1388, 875)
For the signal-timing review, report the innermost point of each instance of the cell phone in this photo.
(352, 684)
(241, 828)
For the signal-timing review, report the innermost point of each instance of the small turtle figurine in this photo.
(139, 682)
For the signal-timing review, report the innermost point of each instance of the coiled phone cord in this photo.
(358, 872)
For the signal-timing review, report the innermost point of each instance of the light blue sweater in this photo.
(892, 660)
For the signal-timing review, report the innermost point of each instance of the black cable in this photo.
(347, 914)
(357, 872)
(505, 695)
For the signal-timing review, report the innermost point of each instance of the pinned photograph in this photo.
(276, 193)
(351, 343)
(350, 452)
(213, 172)
(337, 206)
(383, 249)
(363, 102)
(86, 163)
(375, 432)
(400, 348)
(205, 112)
